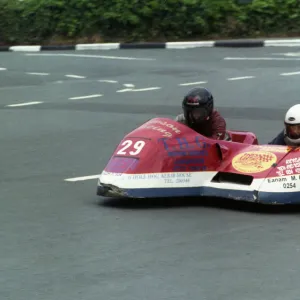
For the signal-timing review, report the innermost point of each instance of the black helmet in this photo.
(198, 105)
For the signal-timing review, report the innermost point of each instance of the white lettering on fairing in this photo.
(156, 128)
(171, 126)
(162, 130)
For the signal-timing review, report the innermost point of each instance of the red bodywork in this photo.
(164, 145)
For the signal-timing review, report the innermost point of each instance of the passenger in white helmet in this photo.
(290, 135)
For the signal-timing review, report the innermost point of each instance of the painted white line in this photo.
(240, 78)
(293, 54)
(25, 48)
(75, 76)
(90, 56)
(85, 97)
(288, 54)
(23, 104)
(108, 81)
(83, 178)
(3, 69)
(128, 85)
(282, 43)
(104, 46)
(139, 90)
(124, 90)
(290, 74)
(185, 45)
(261, 58)
(192, 83)
(147, 89)
(41, 74)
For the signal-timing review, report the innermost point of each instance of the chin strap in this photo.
(289, 142)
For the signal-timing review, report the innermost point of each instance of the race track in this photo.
(62, 114)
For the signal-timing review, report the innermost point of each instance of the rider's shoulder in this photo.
(216, 112)
(180, 118)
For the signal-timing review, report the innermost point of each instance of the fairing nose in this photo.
(282, 184)
(279, 190)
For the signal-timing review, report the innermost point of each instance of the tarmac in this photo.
(61, 115)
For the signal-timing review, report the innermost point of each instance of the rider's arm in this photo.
(218, 126)
(180, 118)
(278, 140)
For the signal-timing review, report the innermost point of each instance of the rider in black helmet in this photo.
(200, 115)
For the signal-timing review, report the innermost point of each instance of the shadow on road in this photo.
(219, 203)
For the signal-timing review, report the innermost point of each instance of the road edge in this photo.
(234, 43)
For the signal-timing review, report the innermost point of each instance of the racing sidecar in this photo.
(163, 158)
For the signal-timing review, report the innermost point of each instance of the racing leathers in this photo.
(278, 140)
(290, 135)
(282, 140)
(214, 127)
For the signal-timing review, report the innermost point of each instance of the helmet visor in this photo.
(199, 114)
(293, 131)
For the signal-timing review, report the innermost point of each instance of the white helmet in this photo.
(292, 126)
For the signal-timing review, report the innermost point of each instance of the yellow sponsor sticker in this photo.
(254, 161)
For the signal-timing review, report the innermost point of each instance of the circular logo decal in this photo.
(254, 162)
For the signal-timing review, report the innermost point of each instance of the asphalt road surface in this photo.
(62, 114)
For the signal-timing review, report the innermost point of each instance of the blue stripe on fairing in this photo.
(263, 197)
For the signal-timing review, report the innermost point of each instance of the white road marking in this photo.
(240, 78)
(290, 74)
(124, 90)
(25, 48)
(147, 89)
(3, 69)
(23, 104)
(128, 85)
(261, 58)
(282, 43)
(83, 178)
(139, 90)
(104, 46)
(292, 54)
(86, 97)
(288, 54)
(108, 81)
(33, 73)
(90, 56)
(185, 45)
(75, 76)
(192, 83)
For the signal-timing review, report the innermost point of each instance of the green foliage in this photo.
(274, 16)
(44, 21)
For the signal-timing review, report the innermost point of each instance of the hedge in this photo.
(67, 21)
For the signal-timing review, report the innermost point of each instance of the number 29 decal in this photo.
(138, 146)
